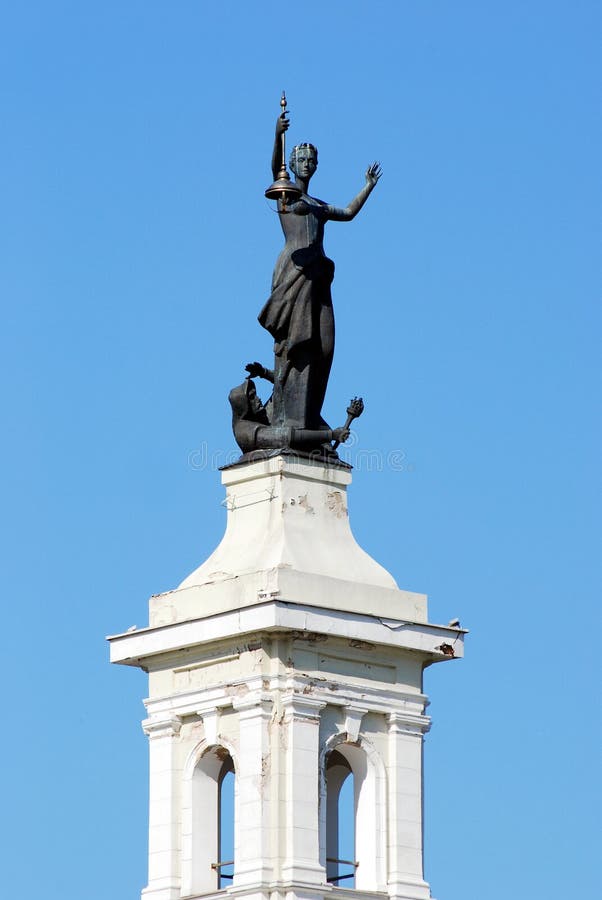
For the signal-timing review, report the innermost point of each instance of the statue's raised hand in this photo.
(373, 173)
(255, 369)
(282, 124)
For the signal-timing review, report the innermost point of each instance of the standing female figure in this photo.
(298, 313)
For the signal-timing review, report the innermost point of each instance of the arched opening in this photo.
(341, 860)
(208, 823)
(225, 823)
(353, 819)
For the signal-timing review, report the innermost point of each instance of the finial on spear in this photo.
(354, 411)
(283, 189)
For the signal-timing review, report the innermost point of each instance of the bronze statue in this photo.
(298, 313)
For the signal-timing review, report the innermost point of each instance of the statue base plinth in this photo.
(288, 537)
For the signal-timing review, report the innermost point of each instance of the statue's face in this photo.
(306, 162)
(254, 401)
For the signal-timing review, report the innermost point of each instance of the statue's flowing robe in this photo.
(299, 316)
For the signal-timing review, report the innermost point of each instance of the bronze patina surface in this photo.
(298, 314)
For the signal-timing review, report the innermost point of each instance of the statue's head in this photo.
(244, 401)
(303, 160)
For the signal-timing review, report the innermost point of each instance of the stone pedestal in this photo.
(287, 644)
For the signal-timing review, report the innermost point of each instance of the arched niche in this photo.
(340, 761)
(206, 804)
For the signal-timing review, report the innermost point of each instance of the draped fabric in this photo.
(299, 316)
(301, 283)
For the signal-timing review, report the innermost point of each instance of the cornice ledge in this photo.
(380, 699)
(254, 703)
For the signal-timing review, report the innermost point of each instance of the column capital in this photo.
(301, 707)
(408, 723)
(164, 727)
(255, 703)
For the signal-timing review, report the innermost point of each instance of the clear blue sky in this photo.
(136, 252)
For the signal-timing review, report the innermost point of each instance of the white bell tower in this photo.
(287, 663)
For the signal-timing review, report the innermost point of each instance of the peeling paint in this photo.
(304, 504)
(277, 717)
(335, 503)
(311, 636)
(258, 662)
(237, 690)
(265, 767)
(283, 735)
(277, 722)
(361, 645)
(254, 645)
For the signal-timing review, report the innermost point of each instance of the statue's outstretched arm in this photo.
(336, 214)
(266, 437)
(282, 124)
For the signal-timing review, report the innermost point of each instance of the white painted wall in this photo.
(279, 682)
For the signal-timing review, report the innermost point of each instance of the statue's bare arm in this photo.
(335, 214)
(282, 124)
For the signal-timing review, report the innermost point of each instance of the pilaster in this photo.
(252, 851)
(405, 777)
(164, 800)
(301, 861)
